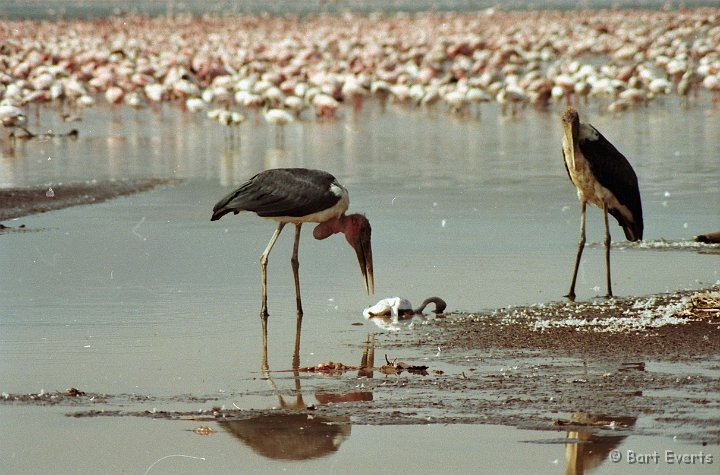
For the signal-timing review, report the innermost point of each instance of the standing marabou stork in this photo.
(300, 195)
(603, 177)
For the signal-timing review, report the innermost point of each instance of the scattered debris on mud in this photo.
(618, 316)
(703, 244)
(332, 367)
(328, 367)
(397, 367)
(70, 396)
(679, 325)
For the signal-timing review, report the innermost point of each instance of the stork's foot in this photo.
(609, 296)
(570, 296)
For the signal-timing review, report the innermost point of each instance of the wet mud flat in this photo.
(627, 366)
(599, 364)
(17, 202)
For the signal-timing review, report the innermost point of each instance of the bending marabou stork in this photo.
(603, 177)
(300, 195)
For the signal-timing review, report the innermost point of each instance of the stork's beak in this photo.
(363, 249)
(364, 254)
(567, 120)
(568, 135)
(570, 122)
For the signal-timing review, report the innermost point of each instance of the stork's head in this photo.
(357, 230)
(571, 124)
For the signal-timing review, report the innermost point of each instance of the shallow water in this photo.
(145, 295)
(72, 8)
(149, 448)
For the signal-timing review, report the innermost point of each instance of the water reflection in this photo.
(301, 436)
(291, 436)
(277, 158)
(364, 370)
(397, 323)
(371, 142)
(8, 150)
(226, 167)
(586, 450)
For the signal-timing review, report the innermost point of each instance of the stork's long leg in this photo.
(296, 267)
(296, 350)
(263, 267)
(581, 246)
(607, 251)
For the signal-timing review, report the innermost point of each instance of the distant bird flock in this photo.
(317, 66)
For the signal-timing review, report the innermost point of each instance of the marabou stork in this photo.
(603, 177)
(297, 196)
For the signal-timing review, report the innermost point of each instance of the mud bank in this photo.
(17, 202)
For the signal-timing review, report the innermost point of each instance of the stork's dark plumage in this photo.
(300, 195)
(603, 177)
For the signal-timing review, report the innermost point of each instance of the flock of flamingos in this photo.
(290, 67)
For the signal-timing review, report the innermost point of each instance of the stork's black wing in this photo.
(614, 172)
(291, 192)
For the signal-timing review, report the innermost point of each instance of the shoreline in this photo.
(20, 202)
